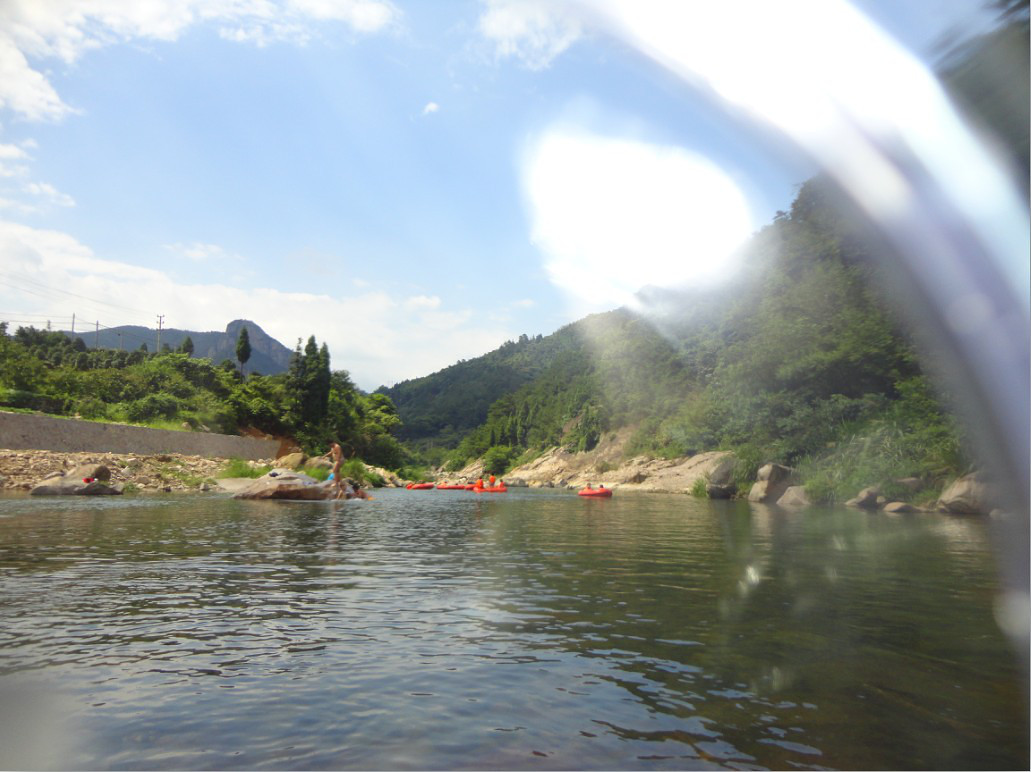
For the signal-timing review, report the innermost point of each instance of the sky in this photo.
(412, 183)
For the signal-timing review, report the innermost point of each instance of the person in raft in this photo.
(491, 479)
(479, 483)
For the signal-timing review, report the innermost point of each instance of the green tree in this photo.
(187, 346)
(243, 348)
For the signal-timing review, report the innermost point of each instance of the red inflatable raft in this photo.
(420, 486)
(492, 489)
(597, 493)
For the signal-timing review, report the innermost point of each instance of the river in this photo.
(530, 630)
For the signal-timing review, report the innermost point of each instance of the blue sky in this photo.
(412, 183)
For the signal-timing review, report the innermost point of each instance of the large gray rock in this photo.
(867, 499)
(82, 480)
(284, 483)
(794, 498)
(899, 507)
(722, 474)
(74, 486)
(292, 461)
(89, 472)
(969, 495)
(771, 482)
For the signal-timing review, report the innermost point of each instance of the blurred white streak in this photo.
(879, 123)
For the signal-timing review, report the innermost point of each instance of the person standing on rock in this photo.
(337, 454)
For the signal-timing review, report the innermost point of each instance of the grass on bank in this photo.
(239, 467)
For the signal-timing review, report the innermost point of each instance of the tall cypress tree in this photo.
(243, 348)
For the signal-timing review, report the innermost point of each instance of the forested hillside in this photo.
(438, 410)
(795, 361)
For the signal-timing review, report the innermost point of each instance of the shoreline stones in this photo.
(772, 481)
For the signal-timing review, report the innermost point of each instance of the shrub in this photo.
(496, 459)
(160, 405)
(320, 473)
(238, 467)
(698, 488)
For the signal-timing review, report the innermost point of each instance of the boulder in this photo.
(774, 473)
(722, 474)
(74, 486)
(899, 507)
(714, 491)
(316, 463)
(969, 495)
(794, 498)
(283, 483)
(89, 472)
(771, 482)
(81, 480)
(867, 499)
(292, 461)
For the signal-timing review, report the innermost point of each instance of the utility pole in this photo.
(96, 340)
(119, 341)
(161, 319)
(73, 324)
(48, 325)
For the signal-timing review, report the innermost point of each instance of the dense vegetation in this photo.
(48, 371)
(438, 410)
(796, 362)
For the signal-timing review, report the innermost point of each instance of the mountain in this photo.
(441, 408)
(268, 355)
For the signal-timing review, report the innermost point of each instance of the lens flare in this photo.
(614, 215)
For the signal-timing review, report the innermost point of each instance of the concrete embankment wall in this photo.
(21, 431)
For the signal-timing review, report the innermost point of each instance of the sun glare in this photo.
(614, 215)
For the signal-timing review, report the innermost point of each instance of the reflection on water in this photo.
(441, 630)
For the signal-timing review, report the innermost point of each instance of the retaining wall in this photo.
(22, 431)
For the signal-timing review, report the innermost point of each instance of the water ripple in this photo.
(448, 632)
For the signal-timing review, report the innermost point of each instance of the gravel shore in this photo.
(20, 470)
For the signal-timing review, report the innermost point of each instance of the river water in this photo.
(530, 630)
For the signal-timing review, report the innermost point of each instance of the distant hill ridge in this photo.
(268, 355)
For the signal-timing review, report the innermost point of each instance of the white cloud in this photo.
(49, 193)
(10, 158)
(12, 152)
(524, 303)
(533, 31)
(199, 252)
(422, 301)
(65, 29)
(378, 338)
(431, 107)
(362, 15)
(613, 215)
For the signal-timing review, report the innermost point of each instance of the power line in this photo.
(40, 285)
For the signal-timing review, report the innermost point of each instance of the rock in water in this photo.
(287, 484)
(969, 495)
(867, 499)
(771, 482)
(794, 497)
(67, 485)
